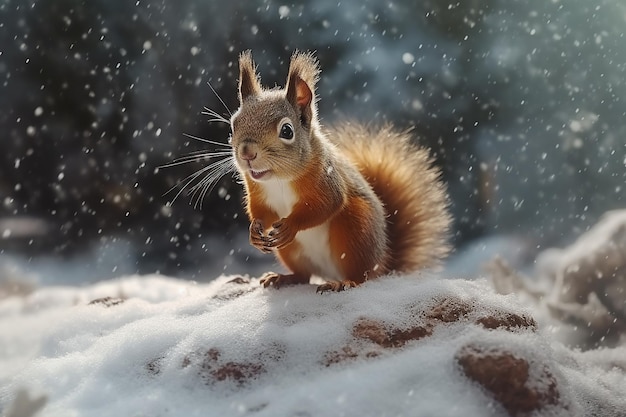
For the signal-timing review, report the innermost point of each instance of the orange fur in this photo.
(415, 199)
(319, 196)
(291, 257)
(351, 242)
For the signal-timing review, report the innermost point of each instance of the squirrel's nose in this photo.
(247, 152)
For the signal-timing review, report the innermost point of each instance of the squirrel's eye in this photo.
(286, 131)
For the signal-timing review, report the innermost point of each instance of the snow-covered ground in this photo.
(418, 345)
(154, 346)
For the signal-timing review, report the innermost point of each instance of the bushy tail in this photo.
(403, 177)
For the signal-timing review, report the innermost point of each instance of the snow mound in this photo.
(155, 346)
(582, 287)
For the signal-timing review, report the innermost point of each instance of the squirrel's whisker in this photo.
(220, 99)
(217, 117)
(213, 173)
(220, 121)
(206, 185)
(209, 175)
(226, 145)
(210, 112)
(188, 180)
(196, 158)
(191, 178)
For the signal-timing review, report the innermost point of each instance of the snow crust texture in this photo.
(418, 346)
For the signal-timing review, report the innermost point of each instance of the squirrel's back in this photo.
(409, 186)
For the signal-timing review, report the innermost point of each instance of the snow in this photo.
(165, 347)
(581, 286)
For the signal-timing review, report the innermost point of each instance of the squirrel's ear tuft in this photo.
(248, 79)
(303, 75)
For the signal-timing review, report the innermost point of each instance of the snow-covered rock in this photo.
(582, 285)
(419, 346)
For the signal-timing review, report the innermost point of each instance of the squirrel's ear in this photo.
(300, 96)
(303, 74)
(248, 80)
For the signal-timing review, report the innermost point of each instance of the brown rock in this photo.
(239, 280)
(154, 366)
(377, 333)
(107, 301)
(238, 372)
(211, 368)
(335, 357)
(370, 330)
(506, 378)
(508, 321)
(234, 288)
(449, 310)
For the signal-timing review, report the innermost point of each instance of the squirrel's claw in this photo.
(256, 227)
(277, 280)
(281, 235)
(257, 238)
(336, 286)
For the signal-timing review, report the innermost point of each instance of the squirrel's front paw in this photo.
(257, 238)
(281, 234)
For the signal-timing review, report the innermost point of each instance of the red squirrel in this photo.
(346, 204)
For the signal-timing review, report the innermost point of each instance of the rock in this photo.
(508, 379)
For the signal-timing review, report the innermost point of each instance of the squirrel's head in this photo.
(273, 131)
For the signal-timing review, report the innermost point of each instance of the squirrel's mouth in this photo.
(258, 175)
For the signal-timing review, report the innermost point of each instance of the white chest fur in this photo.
(314, 241)
(316, 248)
(279, 196)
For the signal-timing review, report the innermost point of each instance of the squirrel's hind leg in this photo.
(289, 256)
(279, 280)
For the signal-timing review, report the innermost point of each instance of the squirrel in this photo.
(346, 204)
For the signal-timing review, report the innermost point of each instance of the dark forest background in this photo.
(521, 103)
